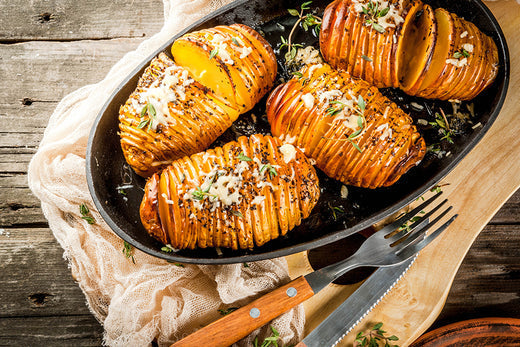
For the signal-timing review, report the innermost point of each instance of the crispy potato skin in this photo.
(346, 42)
(389, 144)
(269, 205)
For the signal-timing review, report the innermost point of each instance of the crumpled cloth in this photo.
(151, 299)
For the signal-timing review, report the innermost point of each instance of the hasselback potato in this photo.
(168, 116)
(355, 134)
(240, 195)
(234, 61)
(426, 53)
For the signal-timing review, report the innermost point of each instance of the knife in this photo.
(347, 315)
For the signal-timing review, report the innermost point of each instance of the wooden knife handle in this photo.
(240, 323)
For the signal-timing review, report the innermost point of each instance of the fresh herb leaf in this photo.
(270, 169)
(246, 265)
(235, 42)
(365, 57)
(128, 251)
(143, 123)
(227, 311)
(121, 191)
(85, 214)
(213, 53)
(374, 337)
(293, 12)
(168, 249)
(383, 12)
(243, 157)
(178, 264)
(237, 213)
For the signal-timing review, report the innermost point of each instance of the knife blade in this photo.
(349, 313)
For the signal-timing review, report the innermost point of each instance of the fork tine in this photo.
(411, 228)
(407, 216)
(414, 249)
(414, 235)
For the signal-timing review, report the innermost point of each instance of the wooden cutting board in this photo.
(477, 188)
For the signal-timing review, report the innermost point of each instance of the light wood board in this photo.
(477, 188)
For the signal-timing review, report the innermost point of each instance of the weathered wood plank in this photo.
(47, 71)
(488, 282)
(510, 212)
(78, 20)
(81, 330)
(35, 279)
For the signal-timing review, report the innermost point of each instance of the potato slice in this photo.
(234, 61)
(442, 49)
(355, 134)
(241, 195)
(416, 53)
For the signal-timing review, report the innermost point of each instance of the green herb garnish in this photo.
(365, 57)
(268, 341)
(243, 157)
(85, 214)
(376, 337)
(308, 21)
(461, 53)
(128, 251)
(235, 42)
(227, 311)
(213, 53)
(372, 12)
(270, 169)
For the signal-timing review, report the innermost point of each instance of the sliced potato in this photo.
(416, 53)
(441, 52)
(234, 61)
(218, 199)
(355, 134)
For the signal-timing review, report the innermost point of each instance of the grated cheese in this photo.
(308, 100)
(457, 62)
(468, 47)
(464, 34)
(258, 200)
(288, 151)
(168, 87)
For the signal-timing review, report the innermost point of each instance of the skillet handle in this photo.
(240, 323)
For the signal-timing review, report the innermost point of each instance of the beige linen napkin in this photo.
(151, 299)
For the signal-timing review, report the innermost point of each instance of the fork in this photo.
(392, 245)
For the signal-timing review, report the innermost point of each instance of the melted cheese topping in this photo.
(308, 100)
(457, 62)
(468, 47)
(170, 86)
(288, 151)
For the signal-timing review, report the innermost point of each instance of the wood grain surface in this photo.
(50, 48)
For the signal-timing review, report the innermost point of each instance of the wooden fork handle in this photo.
(240, 323)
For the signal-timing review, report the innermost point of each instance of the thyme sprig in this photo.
(85, 214)
(372, 12)
(461, 53)
(128, 251)
(376, 337)
(270, 169)
(308, 21)
(152, 113)
(199, 194)
(361, 121)
(268, 341)
(441, 123)
(227, 311)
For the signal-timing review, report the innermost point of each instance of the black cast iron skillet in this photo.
(117, 191)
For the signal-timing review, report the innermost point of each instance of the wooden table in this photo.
(49, 48)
